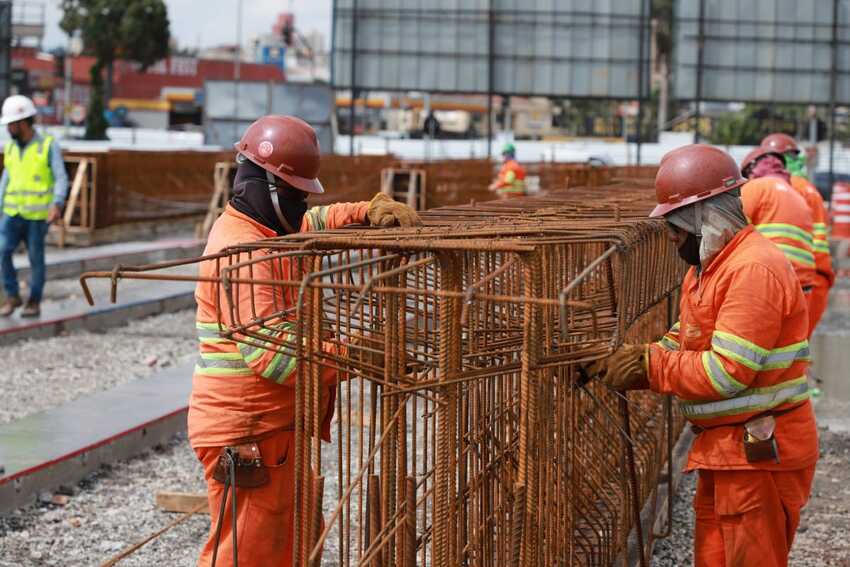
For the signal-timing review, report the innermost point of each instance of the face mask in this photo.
(251, 197)
(689, 250)
(795, 164)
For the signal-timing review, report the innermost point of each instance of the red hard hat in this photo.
(286, 147)
(755, 155)
(780, 143)
(693, 173)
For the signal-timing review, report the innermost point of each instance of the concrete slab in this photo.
(830, 345)
(135, 299)
(71, 262)
(63, 445)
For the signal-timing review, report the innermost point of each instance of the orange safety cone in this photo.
(841, 211)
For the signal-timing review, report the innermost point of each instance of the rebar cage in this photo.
(464, 433)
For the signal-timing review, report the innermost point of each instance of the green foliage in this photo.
(136, 30)
(737, 128)
(747, 127)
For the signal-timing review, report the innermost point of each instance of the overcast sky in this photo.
(207, 23)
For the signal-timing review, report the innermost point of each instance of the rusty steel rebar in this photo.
(461, 437)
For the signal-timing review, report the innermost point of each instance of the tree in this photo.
(738, 128)
(662, 14)
(135, 30)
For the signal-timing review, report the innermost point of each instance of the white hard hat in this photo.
(17, 107)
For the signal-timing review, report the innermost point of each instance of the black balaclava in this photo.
(251, 197)
(689, 250)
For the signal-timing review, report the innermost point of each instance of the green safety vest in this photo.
(29, 193)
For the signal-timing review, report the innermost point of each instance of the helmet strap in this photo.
(276, 204)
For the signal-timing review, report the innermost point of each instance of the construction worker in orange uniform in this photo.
(780, 214)
(795, 165)
(243, 396)
(510, 182)
(736, 360)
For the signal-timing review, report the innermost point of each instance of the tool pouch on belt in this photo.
(759, 441)
(250, 471)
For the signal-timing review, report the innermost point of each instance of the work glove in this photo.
(626, 369)
(385, 212)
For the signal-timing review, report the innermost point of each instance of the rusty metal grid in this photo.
(460, 436)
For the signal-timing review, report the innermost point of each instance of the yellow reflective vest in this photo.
(29, 193)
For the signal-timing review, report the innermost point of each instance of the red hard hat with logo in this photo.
(693, 173)
(286, 147)
(780, 143)
(756, 154)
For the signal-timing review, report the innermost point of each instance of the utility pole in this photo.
(237, 70)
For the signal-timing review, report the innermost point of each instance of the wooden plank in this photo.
(180, 501)
(76, 187)
(219, 198)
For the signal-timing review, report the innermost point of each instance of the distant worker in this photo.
(243, 396)
(736, 360)
(510, 181)
(795, 164)
(779, 212)
(33, 189)
(431, 126)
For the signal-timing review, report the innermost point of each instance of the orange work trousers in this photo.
(264, 515)
(817, 300)
(748, 518)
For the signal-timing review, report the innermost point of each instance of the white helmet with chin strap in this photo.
(17, 107)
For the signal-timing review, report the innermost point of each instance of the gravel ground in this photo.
(109, 511)
(822, 538)
(49, 372)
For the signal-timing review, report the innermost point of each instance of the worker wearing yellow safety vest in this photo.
(32, 193)
(510, 182)
(736, 360)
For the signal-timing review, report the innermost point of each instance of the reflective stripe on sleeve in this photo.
(784, 357)
(821, 247)
(317, 217)
(282, 364)
(668, 344)
(723, 383)
(755, 357)
(740, 350)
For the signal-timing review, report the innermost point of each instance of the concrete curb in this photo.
(61, 446)
(77, 266)
(99, 319)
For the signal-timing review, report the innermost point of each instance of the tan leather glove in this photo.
(385, 212)
(626, 369)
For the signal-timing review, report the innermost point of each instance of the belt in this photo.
(697, 429)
